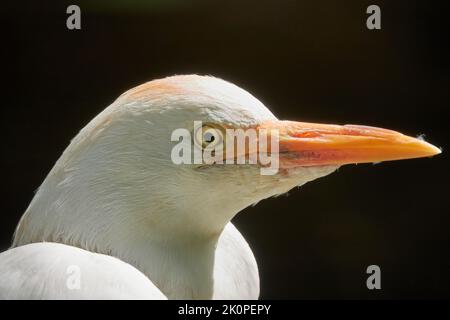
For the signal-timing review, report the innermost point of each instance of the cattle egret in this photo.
(117, 207)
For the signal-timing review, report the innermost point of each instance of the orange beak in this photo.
(311, 144)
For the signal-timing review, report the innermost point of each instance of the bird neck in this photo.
(171, 244)
(107, 193)
(182, 268)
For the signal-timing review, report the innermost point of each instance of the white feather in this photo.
(48, 271)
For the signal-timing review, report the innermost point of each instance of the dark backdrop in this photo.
(306, 60)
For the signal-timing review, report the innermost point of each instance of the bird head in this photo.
(137, 161)
(149, 137)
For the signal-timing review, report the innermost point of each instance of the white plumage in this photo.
(57, 271)
(115, 192)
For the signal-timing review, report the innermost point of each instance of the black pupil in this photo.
(209, 137)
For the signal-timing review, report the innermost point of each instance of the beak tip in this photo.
(430, 150)
(436, 151)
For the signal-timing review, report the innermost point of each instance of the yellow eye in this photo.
(209, 137)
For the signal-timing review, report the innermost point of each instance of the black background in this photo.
(306, 60)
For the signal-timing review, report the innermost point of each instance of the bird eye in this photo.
(208, 137)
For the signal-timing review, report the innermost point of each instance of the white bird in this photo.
(115, 192)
